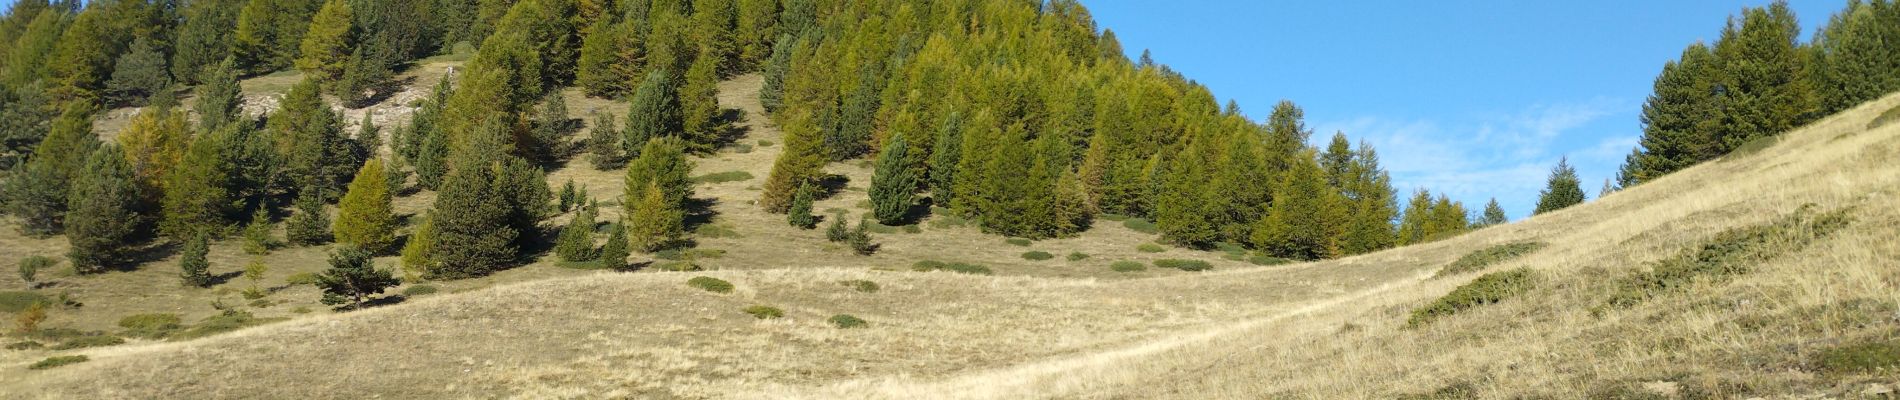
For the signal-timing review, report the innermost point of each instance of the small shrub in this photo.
(1017, 241)
(30, 318)
(419, 290)
(1867, 357)
(765, 143)
(723, 177)
(1886, 117)
(1150, 248)
(764, 312)
(56, 361)
(1264, 260)
(1490, 288)
(1141, 225)
(230, 320)
(1038, 255)
(861, 285)
(31, 266)
(1127, 266)
(301, 278)
(25, 345)
(710, 284)
(957, 267)
(741, 148)
(1078, 256)
(150, 326)
(16, 301)
(1485, 258)
(847, 321)
(89, 341)
(1184, 265)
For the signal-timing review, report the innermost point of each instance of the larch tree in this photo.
(326, 48)
(364, 217)
(801, 161)
(699, 102)
(1300, 222)
(576, 242)
(197, 201)
(654, 223)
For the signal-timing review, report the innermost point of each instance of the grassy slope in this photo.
(1072, 329)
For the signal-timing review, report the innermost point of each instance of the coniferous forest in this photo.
(1022, 116)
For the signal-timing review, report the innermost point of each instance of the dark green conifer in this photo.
(800, 213)
(894, 185)
(310, 226)
(1563, 190)
(194, 270)
(604, 143)
(101, 221)
(576, 242)
(353, 278)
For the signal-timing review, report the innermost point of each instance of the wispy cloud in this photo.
(1506, 156)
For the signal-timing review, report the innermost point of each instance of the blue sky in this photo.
(1476, 99)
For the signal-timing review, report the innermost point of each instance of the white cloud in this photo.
(1502, 156)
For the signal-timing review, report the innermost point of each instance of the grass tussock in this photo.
(1860, 358)
(151, 326)
(1887, 117)
(710, 284)
(764, 312)
(1481, 259)
(957, 267)
(1150, 248)
(1184, 265)
(1490, 288)
(1732, 252)
(1038, 255)
(100, 340)
(1127, 266)
(847, 321)
(228, 321)
(57, 361)
(860, 285)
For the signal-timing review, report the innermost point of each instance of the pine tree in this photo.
(604, 143)
(40, 193)
(529, 199)
(1303, 212)
(1856, 56)
(699, 103)
(1563, 190)
(310, 140)
(311, 225)
(472, 226)
(353, 278)
(576, 242)
(839, 230)
(1493, 215)
(613, 255)
(364, 216)
(800, 213)
(944, 153)
(138, 74)
(325, 46)
(567, 197)
(258, 239)
(219, 98)
(894, 185)
(193, 268)
(653, 112)
(101, 221)
(204, 38)
(361, 73)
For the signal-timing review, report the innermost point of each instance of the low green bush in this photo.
(56, 361)
(89, 341)
(765, 143)
(1150, 248)
(962, 268)
(1490, 288)
(1485, 258)
(14, 301)
(723, 177)
(1078, 256)
(228, 321)
(764, 312)
(301, 278)
(1127, 266)
(847, 321)
(1864, 357)
(25, 345)
(1141, 225)
(1184, 265)
(418, 290)
(861, 285)
(710, 284)
(1038, 255)
(151, 326)
(1018, 241)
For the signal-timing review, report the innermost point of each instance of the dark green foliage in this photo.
(1762, 67)
(653, 112)
(26, 114)
(710, 284)
(310, 226)
(568, 197)
(699, 112)
(1141, 225)
(860, 285)
(140, 73)
(1127, 266)
(603, 70)
(196, 199)
(1730, 253)
(257, 234)
(57, 361)
(476, 219)
(352, 278)
(576, 242)
(613, 255)
(310, 141)
(945, 151)
(957, 267)
(1078, 256)
(1490, 288)
(851, 136)
(1150, 248)
(194, 270)
(839, 230)
(1485, 258)
(1184, 265)
(1493, 215)
(1038, 256)
(1563, 191)
(41, 194)
(764, 312)
(894, 185)
(551, 128)
(847, 321)
(860, 240)
(427, 143)
(1860, 358)
(150, 326)
(604, 142)
(1853, 58)
(800, 213)
(102, 221)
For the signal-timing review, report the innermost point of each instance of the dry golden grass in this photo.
(1061, 329)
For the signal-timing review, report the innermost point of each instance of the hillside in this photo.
(1806, 288)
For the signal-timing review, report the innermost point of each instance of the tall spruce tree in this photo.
(1493, 215)
(310, 226)
(1762, 70)
(653, 112)
(139, 74)
(944, 153)
(40, 194)
(310, 140)
(364, 217)
(472, 230)
(102, 221)
(604, 142)
(894, 185)
(1563, 190)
